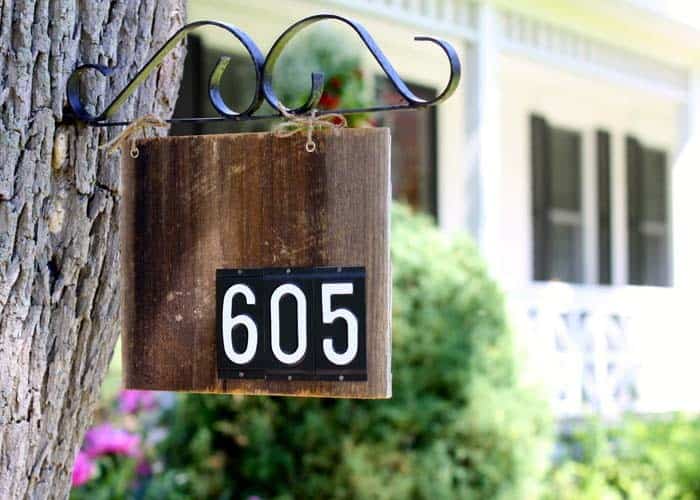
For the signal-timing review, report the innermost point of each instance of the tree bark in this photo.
(59, 234)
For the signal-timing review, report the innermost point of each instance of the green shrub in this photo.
(640, 458)
(458, 425)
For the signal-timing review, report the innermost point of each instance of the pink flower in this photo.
(105, 439)
(131, 401)
(144, 468)
(83, 469)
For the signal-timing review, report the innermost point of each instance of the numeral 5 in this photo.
(329, 316)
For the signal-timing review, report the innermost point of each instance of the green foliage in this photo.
(642, 459)
(458, 425)
(333, 51)
(114, 478)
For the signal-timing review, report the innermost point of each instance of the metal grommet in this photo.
(134, 152)
(310, 147)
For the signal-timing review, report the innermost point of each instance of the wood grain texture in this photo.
(200, 203)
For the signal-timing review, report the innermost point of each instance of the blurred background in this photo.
(545, 254)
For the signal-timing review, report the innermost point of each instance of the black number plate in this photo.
(291, 323)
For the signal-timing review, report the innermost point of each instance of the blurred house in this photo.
(571, 152)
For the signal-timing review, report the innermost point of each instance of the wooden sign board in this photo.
(251, 266)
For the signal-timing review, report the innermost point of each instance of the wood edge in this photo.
(244, 392)
(126, 215)
(261, 135)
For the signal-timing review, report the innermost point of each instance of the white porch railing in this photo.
(534, 38)
(610, 350)
(456, 18)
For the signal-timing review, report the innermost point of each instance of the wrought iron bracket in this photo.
(264, 68)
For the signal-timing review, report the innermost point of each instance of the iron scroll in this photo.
(263, 67)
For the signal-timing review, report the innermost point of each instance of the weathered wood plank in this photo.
(196, 204)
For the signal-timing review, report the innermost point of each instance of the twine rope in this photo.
(308, 123)
(293, 125)
(129, 133)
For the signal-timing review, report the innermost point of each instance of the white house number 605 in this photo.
(329, 315)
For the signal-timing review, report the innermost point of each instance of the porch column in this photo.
(484, 138)
(685, 235)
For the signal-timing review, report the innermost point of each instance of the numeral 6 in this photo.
(228, 324)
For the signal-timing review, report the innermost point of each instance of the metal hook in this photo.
(263, 73)
(80, 112)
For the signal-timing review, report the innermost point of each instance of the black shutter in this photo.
(414, 152)
(540, 157)
(654, 229)
(660, 181)
(192, 89)
(604, 209)
(635, 188)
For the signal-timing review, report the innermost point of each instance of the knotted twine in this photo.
(138, 125)
(293, 125)
(307, 123)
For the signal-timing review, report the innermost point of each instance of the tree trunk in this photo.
(59, 238)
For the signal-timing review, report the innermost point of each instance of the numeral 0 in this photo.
(281, 291)
(328, 290)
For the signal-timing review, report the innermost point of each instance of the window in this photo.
(413, 141)
(560, 229)
(557, 207)
(647, 220)
(604, 207)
